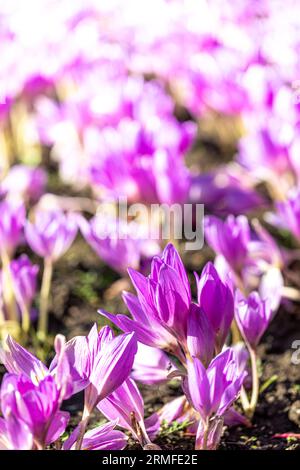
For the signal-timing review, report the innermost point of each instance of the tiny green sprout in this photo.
(174, 428)
(268, 383)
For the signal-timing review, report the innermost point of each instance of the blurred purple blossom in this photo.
(11, 225)
(51, 234)
(28, 182)
(253, 316)
(119, 243)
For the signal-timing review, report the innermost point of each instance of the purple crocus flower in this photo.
(151, 365)
(19, 361)
(289, 213)
(28, 182)
(118, 243)
(24, 275)
(15, 435)
(160, 310)
(212, 391)
(229, 238)
(200, 335)
(33, 409)
(126, 405)
(216, 300)
(103, 437)
(224, 193)
(51, 234)
(11, 225)
(253, 316)
(100, 363)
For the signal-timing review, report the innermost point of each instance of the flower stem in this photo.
(8, 288)
(244, 399)
(25, 318)
(235, 332)
(82, 425)
(44, 299)
(205, 437)
(255, 382)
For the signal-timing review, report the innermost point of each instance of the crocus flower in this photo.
(263, 154)
(33, 409)
(11, 225)
(126, 405)
(25, 181)
(17, 360)
(15, 435)
(223, 193)
(253, 316)
(51, 234)
(200, 335)
(229, 238)
(24, 284)
(216, 301)
(271, 287)
(212, 391)
(289, 213)
(119, 243)
(151, 365)
(103, 437)
(24, 275)
(100, 363)
(161, 308)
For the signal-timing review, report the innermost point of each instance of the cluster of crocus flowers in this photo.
(240, 250)
(165, 317)
(32, 394)
(11, 232)
(166, 323)
(100, 364)
(163, 311)
(247, 253)
(117, 109)
(49, 236)
(110, 119)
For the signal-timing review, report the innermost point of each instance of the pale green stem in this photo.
(83, 425)
(244, 399)
(25, 318)
(255, 382)
(235, 332)
(8, 288)
(44, 299)
(205, 436)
